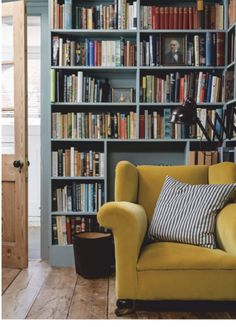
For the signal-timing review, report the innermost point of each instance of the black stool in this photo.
(94, 254)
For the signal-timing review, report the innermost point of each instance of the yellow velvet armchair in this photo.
(167, 270)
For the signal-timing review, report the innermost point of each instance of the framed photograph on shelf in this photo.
(122, 95)
(173, 50)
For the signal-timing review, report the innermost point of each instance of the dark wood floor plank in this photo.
(89, 299)
(8, 276)
(54, 298)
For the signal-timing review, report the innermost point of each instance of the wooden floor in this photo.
(43, 292)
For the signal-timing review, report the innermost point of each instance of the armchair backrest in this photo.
(151, 180)
(143, 184)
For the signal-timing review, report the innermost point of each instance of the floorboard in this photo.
(8, 276)
(43, 292)
(20, 295)
(54, 298)
(90, 299)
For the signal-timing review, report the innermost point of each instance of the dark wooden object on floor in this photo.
(94, 254)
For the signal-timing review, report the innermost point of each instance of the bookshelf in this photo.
(165, 147)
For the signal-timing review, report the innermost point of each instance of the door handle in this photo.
(18, 164)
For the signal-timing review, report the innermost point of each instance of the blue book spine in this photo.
(167, 125)
(68, 14)
(208, 49)
(86, 52)
(219, 111)
(91, 53)
(209, 82)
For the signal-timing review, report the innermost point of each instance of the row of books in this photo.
(68, 14)
(71, 162)
(207, 16)
(174, 87)
(203, 158)
(113, 53)
(94, 126)
(232, 12)
(198, 50)
(79, 88)
(156, 125)
(65, 227)
(78, 197)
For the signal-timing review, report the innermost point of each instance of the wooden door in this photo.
(14, 136)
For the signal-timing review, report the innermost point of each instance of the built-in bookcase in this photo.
(113, 88)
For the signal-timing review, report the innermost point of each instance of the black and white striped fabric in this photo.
(187, 213)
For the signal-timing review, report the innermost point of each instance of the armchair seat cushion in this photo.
(176, 256)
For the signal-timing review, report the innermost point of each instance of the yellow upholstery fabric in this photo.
(151, 180)
(165, 270)
(126, 182)
(128, 222)
(226, 228)
(222, 173)
(169, 255)
(187, 285)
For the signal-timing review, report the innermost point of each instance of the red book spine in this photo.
(154, 18)
(181, 90)
(220, 48)
(162, 19)
(157, 16)
(195, 24)
(141, 127)
(68, 231)
(185, 18)
(166, 17)
(213, 16)
(190, 17)
(171, 18)
(175, 18)
(180, 25)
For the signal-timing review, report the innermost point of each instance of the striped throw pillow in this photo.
(187, 213)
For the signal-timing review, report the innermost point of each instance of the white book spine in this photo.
(196, 49)
(199, 86)
(72, 161)
(60, 52)
(54, 163)
(134, 23)
(213, 89)
(80, 87)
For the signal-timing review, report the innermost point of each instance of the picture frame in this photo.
(173, 50)
(122, 95)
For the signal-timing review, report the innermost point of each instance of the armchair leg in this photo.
(124, 307)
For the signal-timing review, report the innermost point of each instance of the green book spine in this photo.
(53, 85)
(69, 129)
(149, 89)
(128, 127)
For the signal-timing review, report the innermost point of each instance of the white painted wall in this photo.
(34, 175)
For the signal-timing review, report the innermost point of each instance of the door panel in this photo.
(14, 136)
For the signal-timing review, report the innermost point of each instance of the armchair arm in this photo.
(128, 222)
(226, 228)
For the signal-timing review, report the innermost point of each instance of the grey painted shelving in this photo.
(138, 151)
